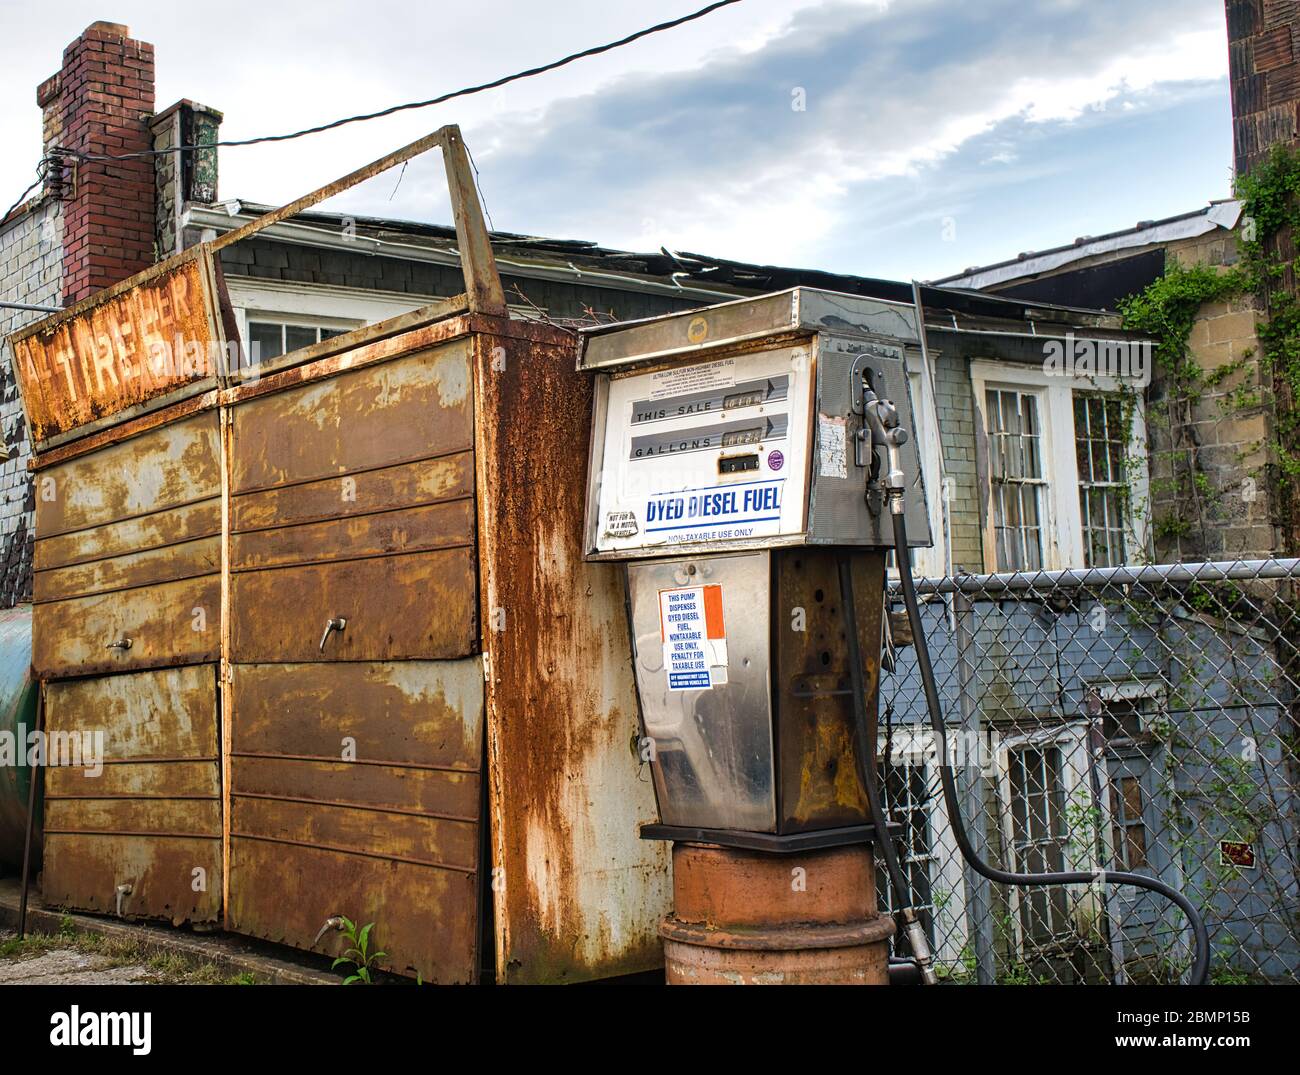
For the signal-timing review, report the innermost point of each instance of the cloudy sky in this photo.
(903, 138)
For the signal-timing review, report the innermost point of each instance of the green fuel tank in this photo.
(17, 719)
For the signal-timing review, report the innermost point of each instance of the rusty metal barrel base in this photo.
(743, 917)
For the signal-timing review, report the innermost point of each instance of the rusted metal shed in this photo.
(332, 617)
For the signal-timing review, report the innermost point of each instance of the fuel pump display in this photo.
(720, 441)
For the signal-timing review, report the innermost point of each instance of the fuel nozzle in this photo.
(886, 429)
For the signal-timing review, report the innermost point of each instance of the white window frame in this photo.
(326, 305)
(1071, 739)
(1060, 515)
(915, 745)
(934, 561)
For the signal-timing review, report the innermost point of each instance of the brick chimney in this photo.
(100, 102)
(1264, 68)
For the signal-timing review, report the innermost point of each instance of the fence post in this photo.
(979, 906)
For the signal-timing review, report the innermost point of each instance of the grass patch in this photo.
(162, 966)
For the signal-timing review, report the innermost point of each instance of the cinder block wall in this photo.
(1226, 432)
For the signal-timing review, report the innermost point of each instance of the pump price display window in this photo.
(715, 451)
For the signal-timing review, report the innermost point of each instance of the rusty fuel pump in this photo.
(741, 461)
(752, 464)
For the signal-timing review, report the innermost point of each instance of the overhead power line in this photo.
(595, 50)
(467, 91)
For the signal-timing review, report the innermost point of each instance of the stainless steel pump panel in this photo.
(706, 438)
(701, 654)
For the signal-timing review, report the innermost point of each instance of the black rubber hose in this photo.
(866, 750)
(1200, 964)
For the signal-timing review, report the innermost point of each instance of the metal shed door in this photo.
(133, 795)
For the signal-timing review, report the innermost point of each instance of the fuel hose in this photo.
(866, 753)
(1201, 961)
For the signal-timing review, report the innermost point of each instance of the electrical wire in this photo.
(40, 178)
(467, 91)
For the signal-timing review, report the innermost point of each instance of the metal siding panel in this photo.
(409, 530)
(404, 485)
(137, 829)
(583, 895)
(391, 837)
(130, 536)
(167, 467)
(418, 605)
(411, 408)
(168, 624)
(409, 712)
(428, 791)
(184, 560)
(425, 919)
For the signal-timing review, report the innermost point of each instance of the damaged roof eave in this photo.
(1221, 214)
(429, 252)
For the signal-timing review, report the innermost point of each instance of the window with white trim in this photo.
(1047, 806)
(1016, 478)
(1038, 836)
(270, 336)
(1128, 823)
(1101, 441)
(282, 316)
(1064, 467)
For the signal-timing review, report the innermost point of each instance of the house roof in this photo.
(689, 274)
(1217, 214)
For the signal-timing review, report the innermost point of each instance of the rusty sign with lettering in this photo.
(149, 337)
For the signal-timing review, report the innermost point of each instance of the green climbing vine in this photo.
(1231, 790)
(1271, 194)
(1167, 311)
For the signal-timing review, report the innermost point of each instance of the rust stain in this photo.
(582, 894)
(121, 350)
(817, 748)
(150, 821)
(738, 920)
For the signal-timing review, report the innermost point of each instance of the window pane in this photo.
(265, 340)
(296, 336)
(1015, 472)
(1100, 437)
(1136, 847)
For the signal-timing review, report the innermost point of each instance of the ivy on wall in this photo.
(1167, 310)
(1271, 222)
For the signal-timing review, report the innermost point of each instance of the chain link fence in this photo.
(1138, 719)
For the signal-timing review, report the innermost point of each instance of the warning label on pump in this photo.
(694, 637)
